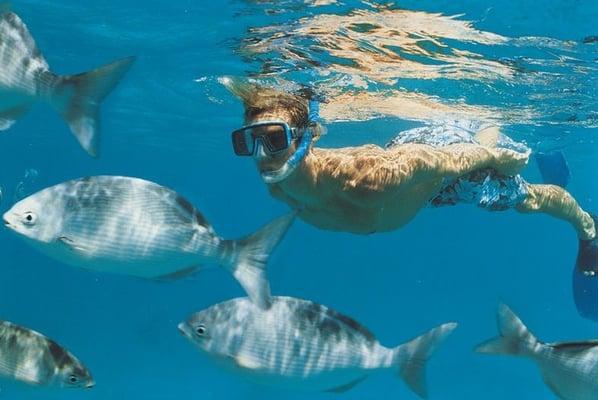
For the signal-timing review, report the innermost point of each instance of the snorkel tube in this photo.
(306, 140)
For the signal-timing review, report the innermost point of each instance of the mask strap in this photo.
(306, 140)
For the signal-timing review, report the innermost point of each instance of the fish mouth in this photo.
(6, 222)
(182, 330)
(90, 385)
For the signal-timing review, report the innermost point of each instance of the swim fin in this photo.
(553, 167)
(585, 278)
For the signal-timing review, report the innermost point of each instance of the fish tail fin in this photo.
(250, 256)
(514, 339)
(411, 357)
(77, 98)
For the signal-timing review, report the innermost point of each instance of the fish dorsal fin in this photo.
(331, 320)
(575, 346)
(347, 387)
(187, 213)
(194, 214)
(351, 323)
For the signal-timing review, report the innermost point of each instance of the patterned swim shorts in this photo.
(486, 188)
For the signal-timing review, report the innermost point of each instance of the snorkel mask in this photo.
(277, 136)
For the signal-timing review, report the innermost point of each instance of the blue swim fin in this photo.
(585, 278)
(553, 167)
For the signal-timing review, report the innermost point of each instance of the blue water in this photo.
(169, 122)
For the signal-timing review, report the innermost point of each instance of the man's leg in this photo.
(557, 202)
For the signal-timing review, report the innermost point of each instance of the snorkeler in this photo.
(369, 189)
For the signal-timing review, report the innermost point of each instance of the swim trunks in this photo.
(486, 188)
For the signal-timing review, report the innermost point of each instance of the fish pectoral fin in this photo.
(74, 246)
(183, 273)
(10, 116)
(347, 387)
(247, 362)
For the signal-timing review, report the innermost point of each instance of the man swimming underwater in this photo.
(369, 189)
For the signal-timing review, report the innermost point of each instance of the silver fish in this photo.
(25, 78)
(30, 357)
(570, 370)
(135, 227)
(302, 345)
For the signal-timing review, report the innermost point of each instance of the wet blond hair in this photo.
(258, 99)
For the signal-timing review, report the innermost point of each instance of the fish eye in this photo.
(29, 218)
(73, 379)
(201, 330)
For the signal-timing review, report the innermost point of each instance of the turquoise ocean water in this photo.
(528, 65)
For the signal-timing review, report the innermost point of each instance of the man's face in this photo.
(270, 162)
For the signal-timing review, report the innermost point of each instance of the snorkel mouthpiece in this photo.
(306, 140)
(291, 164)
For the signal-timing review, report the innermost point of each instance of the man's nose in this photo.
(260, 152)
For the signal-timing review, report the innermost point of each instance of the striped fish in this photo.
(570, 370)
(301, 345)
(135, 227)
(30, 357)
(25, 78)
